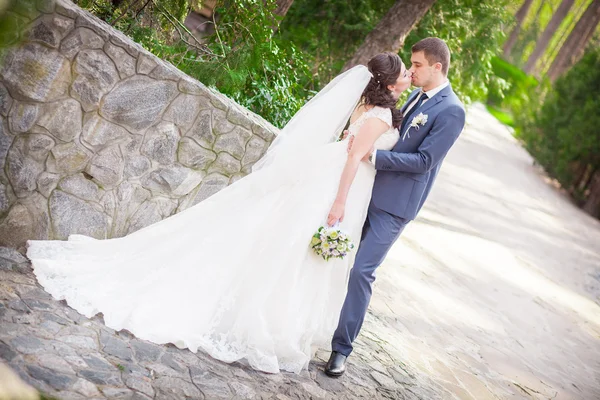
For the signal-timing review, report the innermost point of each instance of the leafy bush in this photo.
(329, 32)
(502, 116)
(259, 71)
(512, 89)
(563, 133)
(332, 31)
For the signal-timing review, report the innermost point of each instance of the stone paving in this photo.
(492, 293)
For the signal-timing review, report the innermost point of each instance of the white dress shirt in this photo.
(429, 93)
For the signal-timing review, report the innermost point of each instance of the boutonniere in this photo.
(416, 123)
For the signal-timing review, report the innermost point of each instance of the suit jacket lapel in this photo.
(428, 104)
(439, 97)
(433, 101)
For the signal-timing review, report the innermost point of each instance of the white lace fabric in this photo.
(389, 138)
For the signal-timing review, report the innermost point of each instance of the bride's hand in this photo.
(336, 214)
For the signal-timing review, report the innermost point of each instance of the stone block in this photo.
(71, 215)
(35, 72)
(137, 102)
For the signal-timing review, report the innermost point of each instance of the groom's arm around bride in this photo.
(436, 144)
(433, 118)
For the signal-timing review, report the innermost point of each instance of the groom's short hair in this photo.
(435, 50)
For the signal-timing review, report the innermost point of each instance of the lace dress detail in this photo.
(389, 138)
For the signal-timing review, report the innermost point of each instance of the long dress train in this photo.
(232, 275)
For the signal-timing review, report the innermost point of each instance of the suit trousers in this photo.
(380, 231)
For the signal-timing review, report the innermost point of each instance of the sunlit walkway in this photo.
(494, 290)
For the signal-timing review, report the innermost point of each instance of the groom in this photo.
(433, 119)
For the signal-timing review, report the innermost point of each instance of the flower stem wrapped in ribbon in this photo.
(330, 242)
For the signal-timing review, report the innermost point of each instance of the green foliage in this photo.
(169, 10)
(539, 15)
(250, 65)
(102, 9)
(564, 132)
(15, 15)
(513, 88)
(502, 116)
(331, 31)
(473, 30)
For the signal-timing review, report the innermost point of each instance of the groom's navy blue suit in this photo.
(404, 179)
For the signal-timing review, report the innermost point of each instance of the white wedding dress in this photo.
(232, 275)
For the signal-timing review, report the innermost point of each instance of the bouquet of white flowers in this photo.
(329, 242)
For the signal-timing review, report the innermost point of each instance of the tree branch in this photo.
(129, 7)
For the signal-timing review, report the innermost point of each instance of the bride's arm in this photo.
(363, 143)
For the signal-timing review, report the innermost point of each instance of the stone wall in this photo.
(100, 137)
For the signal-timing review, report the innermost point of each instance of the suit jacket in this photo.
(406, 173)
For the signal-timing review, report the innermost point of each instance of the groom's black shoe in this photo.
(336, 365)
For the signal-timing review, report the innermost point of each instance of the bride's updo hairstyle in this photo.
(386, 68)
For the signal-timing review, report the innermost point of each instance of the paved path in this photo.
(492, 293)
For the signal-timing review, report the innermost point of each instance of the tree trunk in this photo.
(573, 48)
(587, 177)
(517, 59)
(282, 7)
(592, 204)
(392, 30)
(544, 40)
(580, 170)
(514, 34)
(558, 44)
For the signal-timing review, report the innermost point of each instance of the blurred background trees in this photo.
(550, 67)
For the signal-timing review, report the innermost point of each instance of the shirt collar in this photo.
(436, 90)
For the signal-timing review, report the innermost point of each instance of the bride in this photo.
(234, 275)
